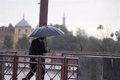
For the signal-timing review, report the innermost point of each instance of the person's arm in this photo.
(31, 49)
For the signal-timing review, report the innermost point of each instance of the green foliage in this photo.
(23, 43)
(94, 44)
(117, 46)
(63, 28)
(8, 42)
(100, 27)
(66, 42)
(81, 42)
(108, 45)
(117, 34)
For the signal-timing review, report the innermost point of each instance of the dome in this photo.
(23, 23)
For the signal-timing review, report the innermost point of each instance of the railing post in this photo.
(2, 65)
(77, 73)
(62, 70)
(39, 69)
(65, 69)
(15, 63)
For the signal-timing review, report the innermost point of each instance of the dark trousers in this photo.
(33, 67)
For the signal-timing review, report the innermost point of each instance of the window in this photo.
(19, 31)
(26, 31)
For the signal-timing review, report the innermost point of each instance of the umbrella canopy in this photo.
(45, 31)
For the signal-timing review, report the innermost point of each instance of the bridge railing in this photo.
(16, 67)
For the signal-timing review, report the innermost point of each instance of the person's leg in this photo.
(33, 67)
(32, 71)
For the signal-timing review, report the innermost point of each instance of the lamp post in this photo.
(42, 22)
(43, 13)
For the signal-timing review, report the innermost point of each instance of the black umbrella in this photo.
(45, 31)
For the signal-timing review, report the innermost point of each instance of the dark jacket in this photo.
(37, 47)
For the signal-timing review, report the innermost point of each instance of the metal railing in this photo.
(16, 67)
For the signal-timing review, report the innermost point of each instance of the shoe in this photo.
(24, 79)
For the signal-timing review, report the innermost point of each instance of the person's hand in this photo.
(48, 50)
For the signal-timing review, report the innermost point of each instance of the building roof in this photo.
(23, 23)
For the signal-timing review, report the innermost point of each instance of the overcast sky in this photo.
(84, 14)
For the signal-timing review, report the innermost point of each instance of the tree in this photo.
(63, 28)
(94, 44)
(23, 43)
(108, 45)
(81, 40)
(8, 42)
(100, 27)
(65, 42)
(117, 34)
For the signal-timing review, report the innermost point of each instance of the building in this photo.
(21, 28)
(2, 34)
(6, 31)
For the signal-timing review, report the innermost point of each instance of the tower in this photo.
(64, 19)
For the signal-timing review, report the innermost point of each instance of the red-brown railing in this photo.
(14, 67)
(64, 65)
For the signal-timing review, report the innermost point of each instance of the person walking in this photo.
(37, 48)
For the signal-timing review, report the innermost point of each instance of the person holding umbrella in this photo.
(38, 45)
(37, 48)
